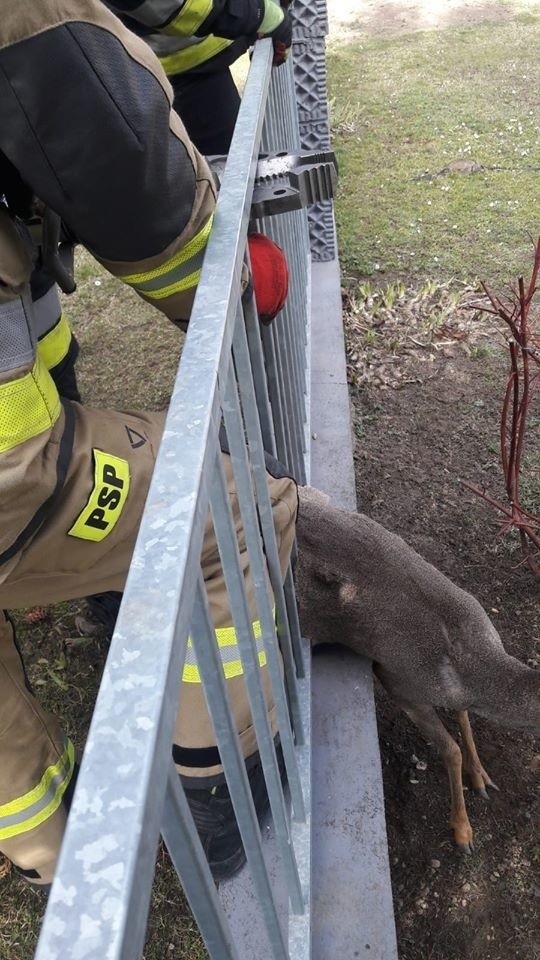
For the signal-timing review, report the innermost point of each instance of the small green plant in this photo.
(365, 290)
(429, 289)
(392, 293)
(434, 322)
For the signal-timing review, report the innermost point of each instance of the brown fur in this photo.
(431, 643)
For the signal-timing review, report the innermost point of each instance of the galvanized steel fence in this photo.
(253, 380)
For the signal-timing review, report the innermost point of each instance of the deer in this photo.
(431, 643)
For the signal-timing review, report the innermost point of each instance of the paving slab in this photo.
(351, 892)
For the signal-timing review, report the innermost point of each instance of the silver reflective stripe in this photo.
(17, 343)
(164, 46)
(46, 312)
(56, 787)
(176, 274)
(229, 653)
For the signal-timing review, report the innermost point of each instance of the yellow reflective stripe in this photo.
(192, 56)
(107, 499)
(62, 771)
(231, 669)
(54, 345)
(226, 639)
(28, 406)
(190, 250)
(192, 14)
(273, 16)
(226, 636)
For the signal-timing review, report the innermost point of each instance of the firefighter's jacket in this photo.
(193, 34)
(83, 109)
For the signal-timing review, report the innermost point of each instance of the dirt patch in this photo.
(434, 424)
(362, 19)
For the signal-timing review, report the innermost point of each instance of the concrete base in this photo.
(238, 897)
(351, 892)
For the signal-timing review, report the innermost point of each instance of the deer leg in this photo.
(471, 761)
(430, 724)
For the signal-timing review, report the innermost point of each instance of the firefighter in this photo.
(196, 42)
(205, 96)
(86, 124)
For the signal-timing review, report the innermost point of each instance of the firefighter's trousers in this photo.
(84, 547)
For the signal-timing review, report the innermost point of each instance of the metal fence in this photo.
(254, 381)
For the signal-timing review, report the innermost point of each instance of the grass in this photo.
(405, 106)
(129, 351)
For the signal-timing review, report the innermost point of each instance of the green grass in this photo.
(129, 351)
(404, 106)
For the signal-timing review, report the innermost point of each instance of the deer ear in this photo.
(312, 495)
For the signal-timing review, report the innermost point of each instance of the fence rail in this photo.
(128, 792)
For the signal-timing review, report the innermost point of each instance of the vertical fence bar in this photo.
(229, 748)
(234, 427)
(287, 350)
(190, 863)
(259, 377)
(275, 394)
(257, 571)
(230, 559)
(267, 524)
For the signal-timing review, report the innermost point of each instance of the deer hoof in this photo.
(483, 791)
(466, 848)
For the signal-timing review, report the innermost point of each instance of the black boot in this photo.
(104, 607)
(214, 817)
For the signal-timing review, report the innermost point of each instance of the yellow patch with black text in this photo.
(106, 502)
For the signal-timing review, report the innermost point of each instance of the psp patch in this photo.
(106, 502)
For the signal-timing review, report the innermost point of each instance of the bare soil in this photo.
(361, 19)
(415, 440)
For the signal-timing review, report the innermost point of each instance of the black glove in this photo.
(276, 24)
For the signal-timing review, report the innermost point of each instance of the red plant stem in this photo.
(536, 268)
(513, 521)
(516, 403)
(489, 499)
(504, 424)
(510, 475)
(526, 378)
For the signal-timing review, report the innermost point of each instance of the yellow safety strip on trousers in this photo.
(189, 19)
(28, 406)
(230, 656)
(107, 499)
(181, 272)
(197, 53)
(54, 345)
(26, 812)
